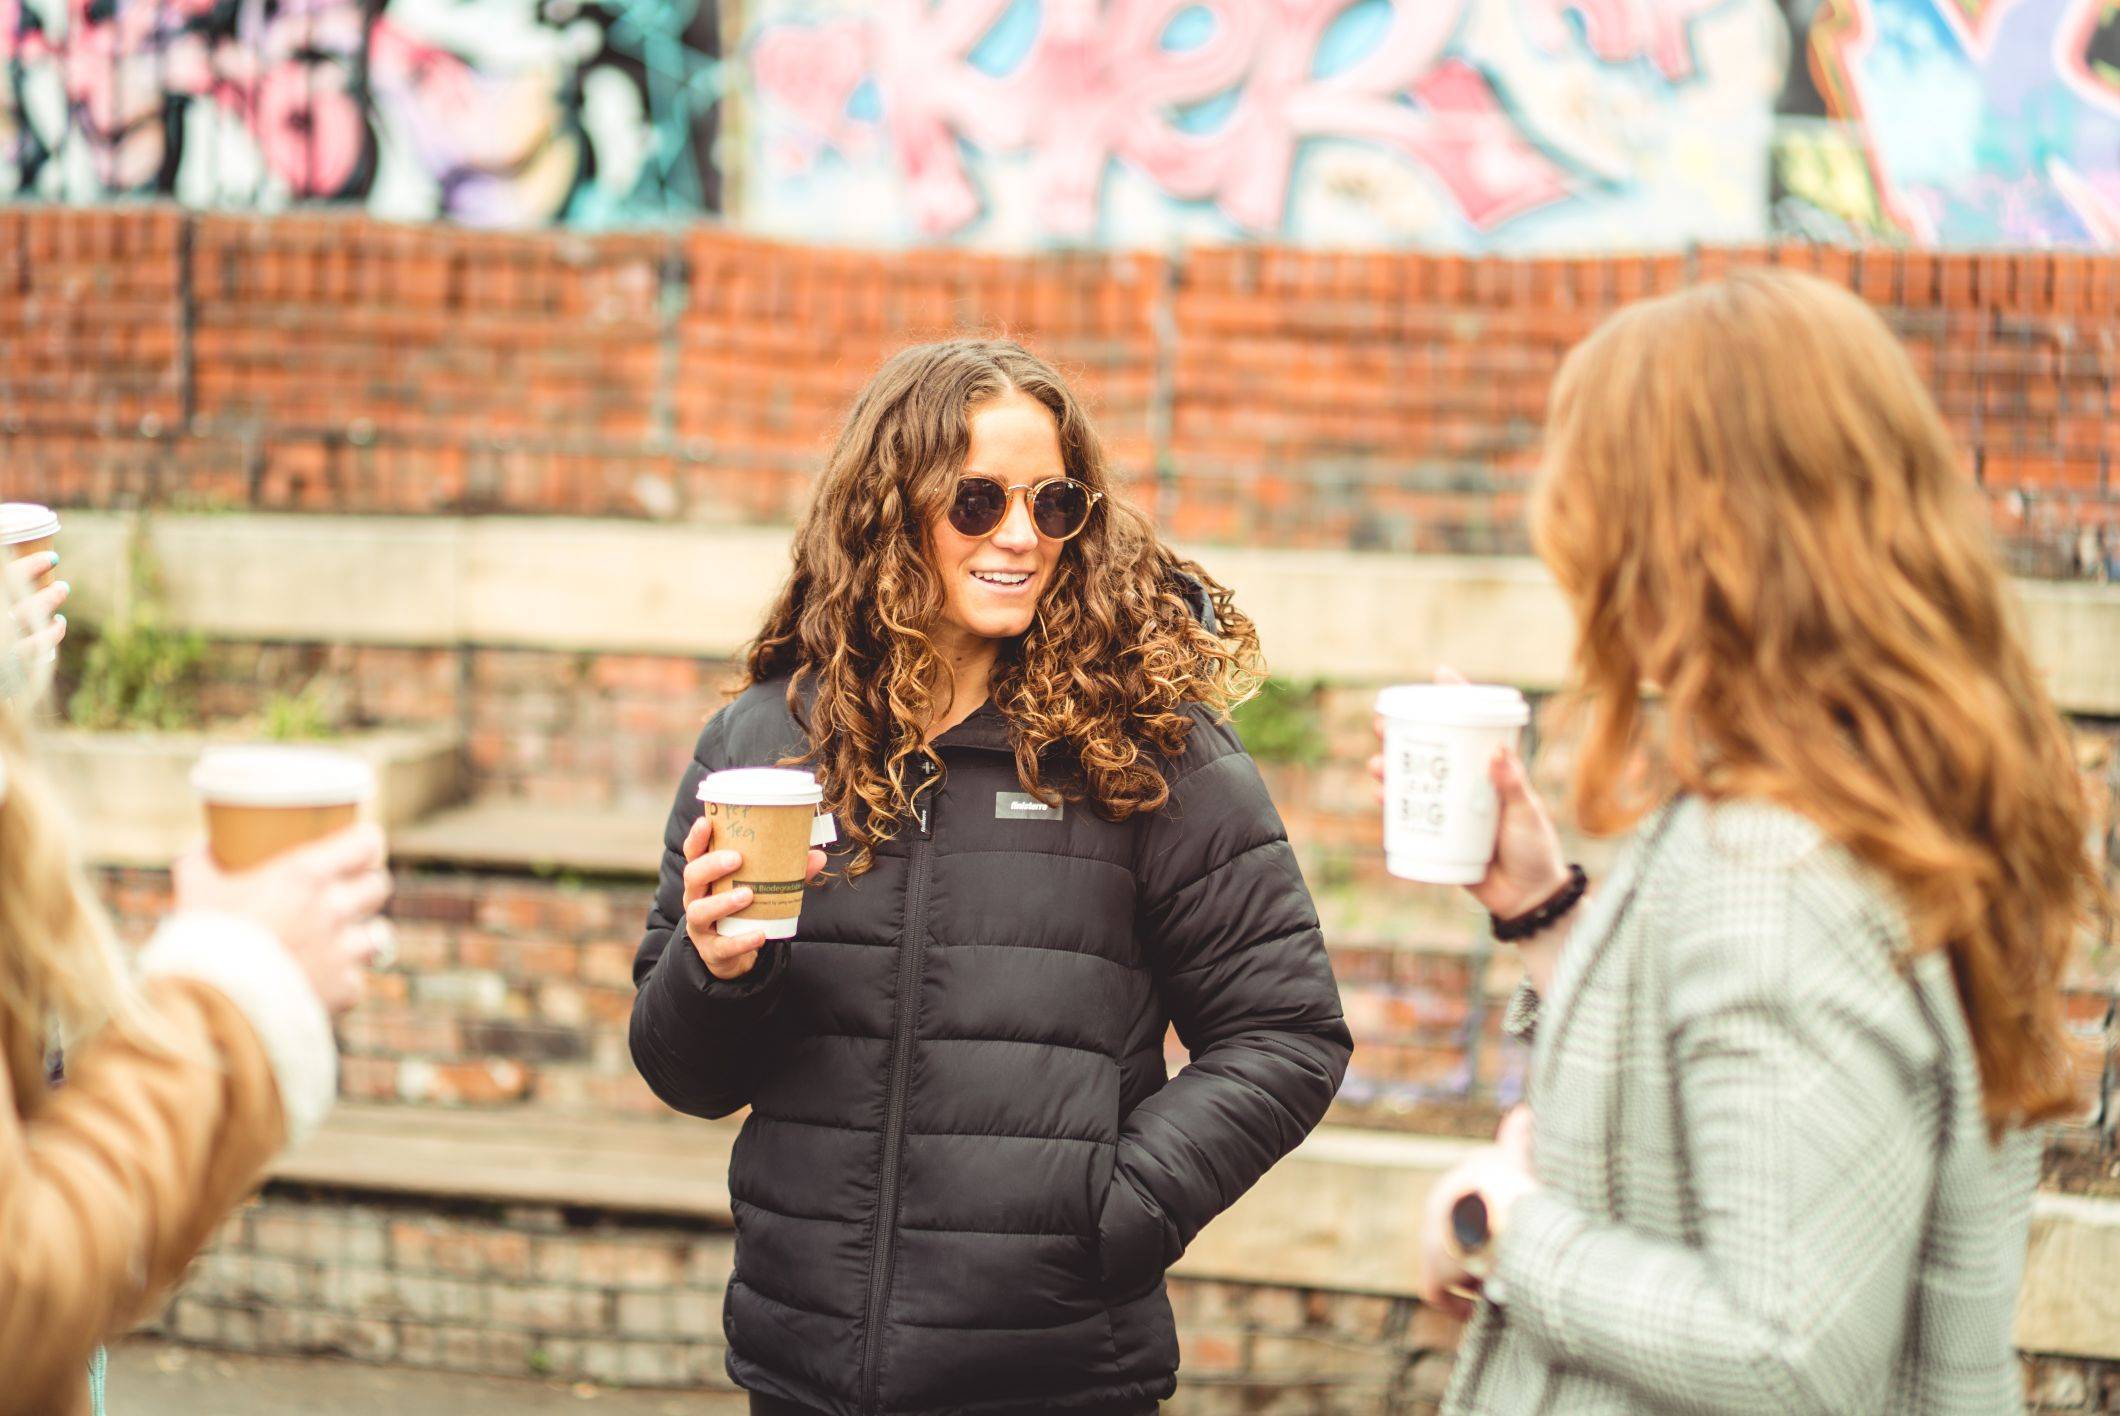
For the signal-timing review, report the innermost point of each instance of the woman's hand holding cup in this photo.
(1529, 864)
(727, 956)
(39, 625)
(322, 901)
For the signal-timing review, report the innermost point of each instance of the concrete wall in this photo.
(2070, 1301)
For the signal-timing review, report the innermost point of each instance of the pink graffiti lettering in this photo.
(303, 80)
(930, 94)
(1096, 94)
(308, 126)
(1491, 172)
(1098, 87)
(287, 77)
(1621, 31)
(813, 72)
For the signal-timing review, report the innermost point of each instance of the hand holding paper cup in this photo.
(1441, 811)
(263, 800)
(31, 595)
(768, 816)
(27, 529)
(279, 851)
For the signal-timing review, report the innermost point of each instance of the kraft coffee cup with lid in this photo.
(262, 800)
(1440, 808)
(27, 529)
(769, 816)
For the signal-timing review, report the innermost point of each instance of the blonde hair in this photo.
(1751, 502)
(61, 975)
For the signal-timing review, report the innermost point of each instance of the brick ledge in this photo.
(1338, 1215)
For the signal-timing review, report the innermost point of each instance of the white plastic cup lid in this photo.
(1455, 705)
(761, 786)
(281, 776)
(26, 521)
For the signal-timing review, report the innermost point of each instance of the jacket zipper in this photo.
(911, 958)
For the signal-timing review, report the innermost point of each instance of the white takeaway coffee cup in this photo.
(264, 799)
(26, 529)
(1440, 808)
(769, 814)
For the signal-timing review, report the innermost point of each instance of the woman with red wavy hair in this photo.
(1788, 1060)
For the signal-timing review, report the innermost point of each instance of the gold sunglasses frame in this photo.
(1030, 493)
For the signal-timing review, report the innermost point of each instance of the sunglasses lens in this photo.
(980, 504)
(1060, 508)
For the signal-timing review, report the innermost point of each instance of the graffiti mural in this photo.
(1467, 123)
(490, 112)
(1479, 125)
(1472, 124)
(1959, 122)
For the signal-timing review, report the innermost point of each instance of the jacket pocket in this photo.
(1133, 1241)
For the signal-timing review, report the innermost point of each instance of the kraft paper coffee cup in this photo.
(262, 800)
(1440, 809)
(27, 529)
(769, 816)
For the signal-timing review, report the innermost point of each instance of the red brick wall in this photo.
(561, 729)
(1280, 396)
(515, 991)
(536, 988)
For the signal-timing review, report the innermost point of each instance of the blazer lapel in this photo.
(1594, 933)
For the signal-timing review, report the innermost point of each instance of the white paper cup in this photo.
(265, 799)
(1440, 809)
(769, 814)
(26, 529)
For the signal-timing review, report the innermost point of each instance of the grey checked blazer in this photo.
(1767, 1183)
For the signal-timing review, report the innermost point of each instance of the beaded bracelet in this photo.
(1545, 916)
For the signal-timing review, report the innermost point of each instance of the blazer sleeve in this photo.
(1242, 970)
(698, 1040)
(115, 1181)
(1809, 1087)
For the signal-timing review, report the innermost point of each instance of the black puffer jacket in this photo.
(964, 1172)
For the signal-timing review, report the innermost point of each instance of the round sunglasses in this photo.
(1060, 506)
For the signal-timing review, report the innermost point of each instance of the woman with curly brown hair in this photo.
(965, 1168)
